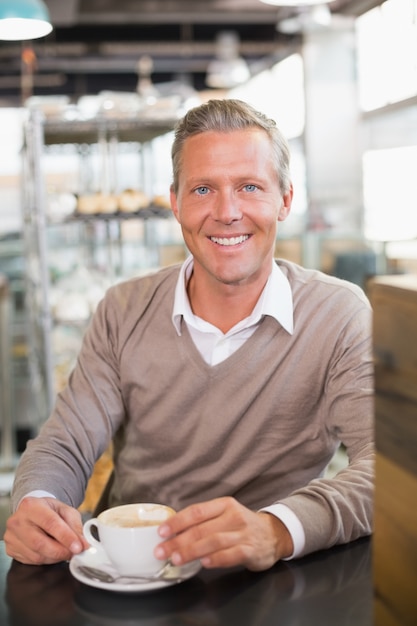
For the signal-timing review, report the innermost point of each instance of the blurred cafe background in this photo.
(87, 108)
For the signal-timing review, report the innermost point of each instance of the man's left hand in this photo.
(224, 533)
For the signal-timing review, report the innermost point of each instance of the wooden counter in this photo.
(394, 300)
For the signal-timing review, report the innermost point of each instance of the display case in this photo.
(94, 213)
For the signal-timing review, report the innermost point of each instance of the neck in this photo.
(225, 305)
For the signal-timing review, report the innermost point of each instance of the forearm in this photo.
(336, 510)
(86, 415)
(50, 471)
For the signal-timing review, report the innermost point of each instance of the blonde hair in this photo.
(226, 116)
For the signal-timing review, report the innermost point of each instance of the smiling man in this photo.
(226, 384)
(228, 200)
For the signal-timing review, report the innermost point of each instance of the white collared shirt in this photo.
(215, 346)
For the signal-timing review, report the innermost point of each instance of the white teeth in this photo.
(229, 241)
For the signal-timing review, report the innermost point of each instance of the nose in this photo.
(227, 208)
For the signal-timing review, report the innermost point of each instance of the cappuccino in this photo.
(128, 534)
(136, 515)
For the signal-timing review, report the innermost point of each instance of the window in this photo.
(387, 53)
(390, 194)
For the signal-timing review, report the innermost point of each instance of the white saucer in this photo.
(95, 557)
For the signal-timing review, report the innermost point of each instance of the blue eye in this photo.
(202, 191)
(250, 188)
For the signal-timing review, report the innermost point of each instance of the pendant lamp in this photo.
(21, 20)
(228, 69)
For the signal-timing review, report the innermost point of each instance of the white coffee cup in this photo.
(129, 534)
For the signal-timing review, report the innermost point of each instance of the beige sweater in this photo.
(260, 426)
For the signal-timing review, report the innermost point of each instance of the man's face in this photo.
(228, 204)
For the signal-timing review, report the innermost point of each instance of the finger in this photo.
(192, 515)
(199, 541)
(225, 548)
(57, 521)
(185, 531)
(74, 521)
(228, 557)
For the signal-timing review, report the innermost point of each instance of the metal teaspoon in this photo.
(101, 576)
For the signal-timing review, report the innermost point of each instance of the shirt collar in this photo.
(275, 300)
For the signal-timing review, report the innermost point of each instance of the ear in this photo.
(174, 204)
(286, 205)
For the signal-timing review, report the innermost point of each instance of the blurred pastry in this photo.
(88, 204)
(132, 200)
(108, 203)
(161, 201)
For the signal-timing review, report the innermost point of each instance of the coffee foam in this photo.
(136, 516)
(131, 522)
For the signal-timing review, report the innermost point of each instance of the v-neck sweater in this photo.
(260, 426)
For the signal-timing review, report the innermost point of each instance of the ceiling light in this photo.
(228, 69)
(21, 20)
(292, 3)
(310, 19)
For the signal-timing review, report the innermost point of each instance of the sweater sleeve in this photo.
(339, 509)
(84, 419)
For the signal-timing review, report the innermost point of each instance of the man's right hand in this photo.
(44, 531)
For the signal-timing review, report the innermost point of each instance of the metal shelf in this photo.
(146, 213)
(94, 242)
(89, 131)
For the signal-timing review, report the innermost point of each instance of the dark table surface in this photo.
(329, 588)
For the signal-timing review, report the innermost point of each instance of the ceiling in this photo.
(96, 44)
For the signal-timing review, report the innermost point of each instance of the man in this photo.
(226, 384)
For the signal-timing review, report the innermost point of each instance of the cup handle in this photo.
(88, 534)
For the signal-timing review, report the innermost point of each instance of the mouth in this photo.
(229, 241)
